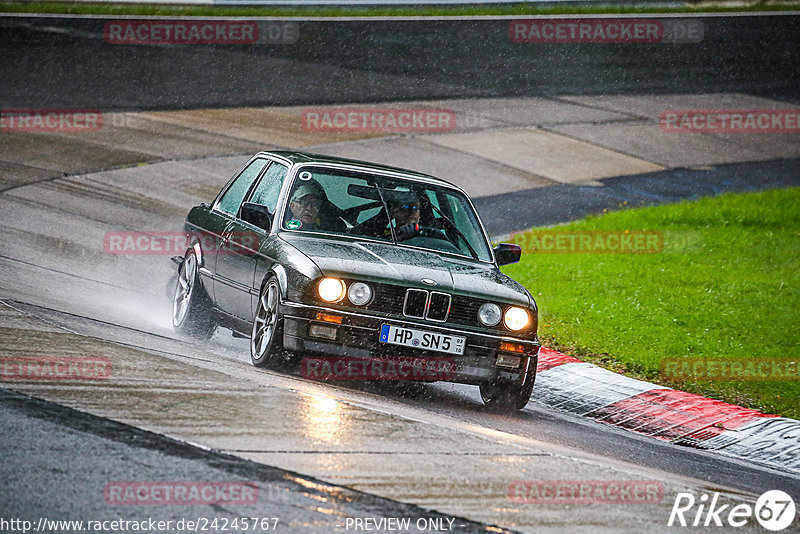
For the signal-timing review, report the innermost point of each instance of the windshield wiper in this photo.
(388, 214)
(454, 227)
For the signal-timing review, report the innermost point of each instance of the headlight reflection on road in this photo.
(322, 419)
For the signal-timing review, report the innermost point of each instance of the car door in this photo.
(223, 214)
(236, 262)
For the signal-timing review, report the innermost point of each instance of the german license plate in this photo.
(420, 339)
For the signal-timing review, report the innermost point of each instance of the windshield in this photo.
(399, 211)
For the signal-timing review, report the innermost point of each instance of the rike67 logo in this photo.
(774, 510)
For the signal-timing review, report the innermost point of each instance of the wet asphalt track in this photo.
(42, 67)
(86, 453)
(52, 63)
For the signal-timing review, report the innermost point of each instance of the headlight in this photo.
(359, 293)
(516, 318)
(489, 314)
(331, 289)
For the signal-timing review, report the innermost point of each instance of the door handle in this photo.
(227, 233)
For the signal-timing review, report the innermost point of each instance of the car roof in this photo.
(306, 157)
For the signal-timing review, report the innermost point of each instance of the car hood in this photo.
(389, 263)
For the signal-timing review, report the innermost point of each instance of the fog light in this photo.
(322, 331)
(508, 360)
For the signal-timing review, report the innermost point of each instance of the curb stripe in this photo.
(549, 358)
(567, 383)
(673, 415)
(774, 441)
(583, 388)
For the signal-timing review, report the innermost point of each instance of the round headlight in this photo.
(359, 293)
(331, 289)
(489, 314)
(516, 318)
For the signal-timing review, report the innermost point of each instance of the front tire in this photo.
(266, 338)
(191, 308)
(506, 396)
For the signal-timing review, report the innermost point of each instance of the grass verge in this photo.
(103, 8)
(725, 286)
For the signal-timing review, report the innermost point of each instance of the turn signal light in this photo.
(511, 347)
(328, 318)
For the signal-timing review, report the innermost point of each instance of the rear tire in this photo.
(192, 313)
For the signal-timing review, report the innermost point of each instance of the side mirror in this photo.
(506, 253)
(257, 215)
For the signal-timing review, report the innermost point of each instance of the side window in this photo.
(269, 189)
(232, 199)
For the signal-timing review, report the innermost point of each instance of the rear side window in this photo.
(232, 199)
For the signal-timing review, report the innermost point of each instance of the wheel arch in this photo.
(278, 271)
(200, 259)
(198, 252)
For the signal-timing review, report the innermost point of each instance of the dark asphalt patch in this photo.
(563, 203)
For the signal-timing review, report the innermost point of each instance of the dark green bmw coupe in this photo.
(361, 271)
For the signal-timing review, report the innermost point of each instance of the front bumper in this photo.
(356, 336)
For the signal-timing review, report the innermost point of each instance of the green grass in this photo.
(736, 296)
(84, 8)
